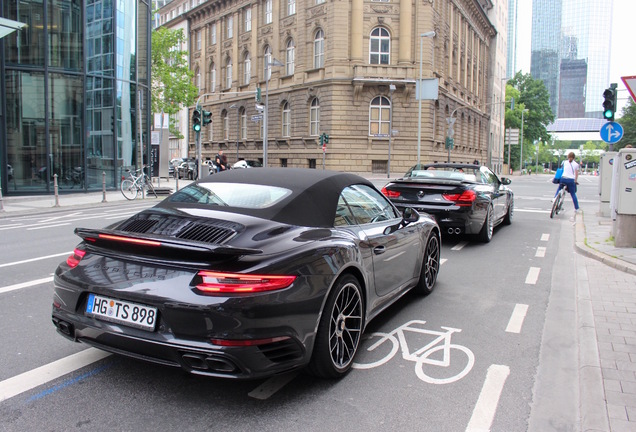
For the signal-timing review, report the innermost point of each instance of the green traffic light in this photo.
(197, 127)
(608, 114)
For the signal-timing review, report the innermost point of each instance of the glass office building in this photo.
(75, 93)
(571, 53)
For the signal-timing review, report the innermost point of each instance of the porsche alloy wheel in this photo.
(430, 266)
(508, 218)
(485, 235)
(339, 330)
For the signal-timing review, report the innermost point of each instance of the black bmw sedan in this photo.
(464, 199)
(247, 273)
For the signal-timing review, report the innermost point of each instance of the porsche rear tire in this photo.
(339, 330)
(508, 218)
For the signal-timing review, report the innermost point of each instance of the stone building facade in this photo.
(349, 70)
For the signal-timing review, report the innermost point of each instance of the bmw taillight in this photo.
(464, 199)
(236, 283)
(74, 259)
(390, 193)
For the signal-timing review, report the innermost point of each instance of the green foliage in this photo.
(628, 121)
(172, 86)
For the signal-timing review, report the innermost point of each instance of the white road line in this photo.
(545, 237)
(25, 284)
(533, 275)
(29, 380)
(486, 406)
(35, 259)
(442, 261)
(47, 226)
(531, 211)
(517, 318)
(459, 246)
(271, 386)
(121, 216)
(540, 252)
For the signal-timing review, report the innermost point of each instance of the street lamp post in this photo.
(521, 143)
(430, 34)
(268, 72)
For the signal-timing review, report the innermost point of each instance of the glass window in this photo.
(248, 19)
(243, 195)
(365, 204)
(379, 46)
(226, 126)
(268, 11)
(320, 1)
(198, 35)
(228, 73)
(314, 118)
(230, 27)
(197, 78)
(267, 59)
(286, 114)
(65, 33)
(289, 57)
(291, 7)
(243, 125)
(247, 69)
(319, 49)
(379, 116)
(213, 34)
(212, 78)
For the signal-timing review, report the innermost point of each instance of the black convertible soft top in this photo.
(313, 200)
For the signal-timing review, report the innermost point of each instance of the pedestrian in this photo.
(570, 178)
(475, 162)
(220, 160)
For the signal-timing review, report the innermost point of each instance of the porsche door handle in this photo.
(379, 250)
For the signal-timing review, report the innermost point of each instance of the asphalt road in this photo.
(492, 303)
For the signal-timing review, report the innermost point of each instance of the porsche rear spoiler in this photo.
(113, 239)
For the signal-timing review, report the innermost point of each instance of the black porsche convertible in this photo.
(247, 273)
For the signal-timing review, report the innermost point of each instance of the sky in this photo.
(622, 58)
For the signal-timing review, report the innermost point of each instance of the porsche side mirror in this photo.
(505, 180)
(410, 215)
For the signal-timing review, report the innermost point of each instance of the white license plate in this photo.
(122, 312)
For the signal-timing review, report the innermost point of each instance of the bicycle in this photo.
(557, 205)
(421, 356)
(130, 187)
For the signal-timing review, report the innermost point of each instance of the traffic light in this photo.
(196, 120)
(322, 139)
(326, 138)
(258, 94)
(207, 117)
(609, 102)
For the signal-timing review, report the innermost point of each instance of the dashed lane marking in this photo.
(271, 386)
(26, 284)
(35, 259)
(540, 252)
(533, 275)
(486, 407)
(545, 237)
(459, 246)
(517, 318)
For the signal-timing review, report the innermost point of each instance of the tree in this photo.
(628, 121)
(172, 86)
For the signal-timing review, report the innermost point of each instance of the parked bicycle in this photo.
(557, 205)
(134, 184)
(422, 356)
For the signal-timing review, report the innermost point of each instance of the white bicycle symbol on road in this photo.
(421, 356)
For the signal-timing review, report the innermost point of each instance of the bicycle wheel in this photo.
(150, 187)
(561, 199)
(369, 347)
(421, 361)
(128, 189)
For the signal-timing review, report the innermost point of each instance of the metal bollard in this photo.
(57, 197)
(103, 186)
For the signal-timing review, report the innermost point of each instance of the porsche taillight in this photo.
(74, 259)
(236, 283)
(390, 193)
(464, 199)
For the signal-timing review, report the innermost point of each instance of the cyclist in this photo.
(570, 179)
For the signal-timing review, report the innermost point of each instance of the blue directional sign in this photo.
(611, 132)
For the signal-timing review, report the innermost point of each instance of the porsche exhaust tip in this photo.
(64, 327)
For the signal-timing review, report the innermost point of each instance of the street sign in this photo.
(427, 89)
(611, 132)
(256, 118)
(450, 142)
(630, 83)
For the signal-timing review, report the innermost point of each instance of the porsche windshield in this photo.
(251, 196)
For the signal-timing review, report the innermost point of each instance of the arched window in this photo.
(319, 49)
(212, 78)
(314, 117)
(380, 46)
(226, 125)
(243, 125)
(247, 68)
(197, 78)
(267, 59)
(379, 116)
(286, 120)
(289, 57)
(228, 73)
